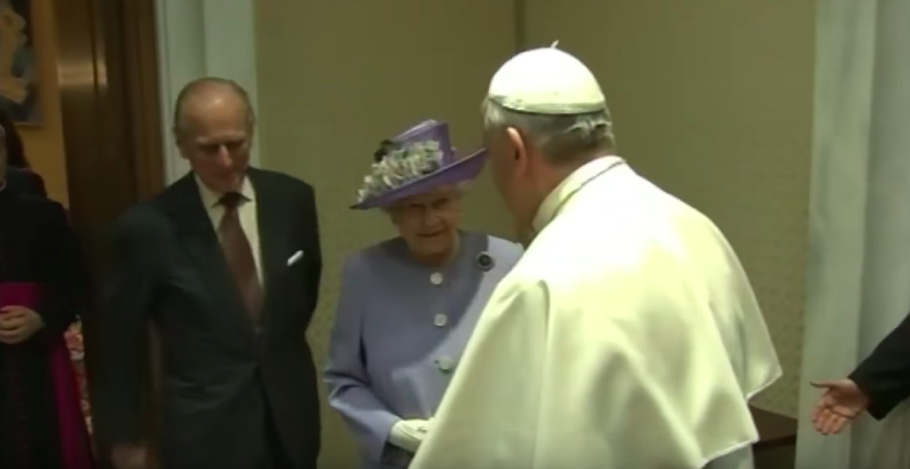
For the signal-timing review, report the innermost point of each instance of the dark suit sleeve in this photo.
(125, 305)
(885, 375)
(314, 256)
(64, 271)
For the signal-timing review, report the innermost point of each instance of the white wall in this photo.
(198, 38)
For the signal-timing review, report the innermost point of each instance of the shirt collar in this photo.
(569, 186)
(211, 198)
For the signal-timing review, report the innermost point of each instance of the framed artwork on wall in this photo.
(19, 87)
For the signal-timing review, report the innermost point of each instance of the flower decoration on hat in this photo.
(401, 166)
(416, 161)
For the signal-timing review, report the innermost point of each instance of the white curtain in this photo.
(859, 268)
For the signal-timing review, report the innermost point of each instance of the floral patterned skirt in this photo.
(77, 353)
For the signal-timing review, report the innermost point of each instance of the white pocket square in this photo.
(295, 258)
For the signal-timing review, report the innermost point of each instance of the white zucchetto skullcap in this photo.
(546, 81)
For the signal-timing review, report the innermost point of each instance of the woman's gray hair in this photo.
(561, 138)
(460, 189)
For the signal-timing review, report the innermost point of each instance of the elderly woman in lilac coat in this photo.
(408, 305)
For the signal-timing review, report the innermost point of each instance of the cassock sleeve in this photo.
(501, 375)
(122, 357)
(885, 375)
(64, 272)
(346, 374)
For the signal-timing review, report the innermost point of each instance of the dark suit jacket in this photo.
(885, 375)
(221, 381)
(24, 181)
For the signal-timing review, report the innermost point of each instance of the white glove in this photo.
(408, 434)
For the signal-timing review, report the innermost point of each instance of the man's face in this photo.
(216, 140)
(429, 222)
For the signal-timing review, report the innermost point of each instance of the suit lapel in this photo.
(200, 242)
(273, 234)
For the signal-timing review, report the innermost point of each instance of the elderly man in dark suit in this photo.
(226, 264)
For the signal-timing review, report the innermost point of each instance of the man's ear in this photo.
(518, 143)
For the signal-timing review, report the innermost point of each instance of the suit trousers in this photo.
(278, 456)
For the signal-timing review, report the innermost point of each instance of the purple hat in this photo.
(415, 162)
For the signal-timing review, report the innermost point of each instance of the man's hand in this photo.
(408, 434)
(130, 457)
(18, 324)
(840, 404)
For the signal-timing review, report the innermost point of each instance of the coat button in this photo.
(440, 320)
(445, 364)
(436, 278)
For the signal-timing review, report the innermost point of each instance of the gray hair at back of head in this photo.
(561, 138)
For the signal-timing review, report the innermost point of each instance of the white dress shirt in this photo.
(249, 221)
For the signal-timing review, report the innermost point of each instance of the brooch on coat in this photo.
(485, 262)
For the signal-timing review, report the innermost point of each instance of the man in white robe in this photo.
(628, 335)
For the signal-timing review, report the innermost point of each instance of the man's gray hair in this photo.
(561, 138)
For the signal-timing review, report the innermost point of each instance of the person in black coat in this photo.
(42, 289)
(876, 386)
(19, 177)
(15, 149)
(24, 181)
(226, 264)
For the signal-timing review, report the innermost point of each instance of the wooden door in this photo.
(108, 78)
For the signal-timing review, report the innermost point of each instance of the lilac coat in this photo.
(400, 329)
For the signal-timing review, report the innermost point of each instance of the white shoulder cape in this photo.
(628, 336)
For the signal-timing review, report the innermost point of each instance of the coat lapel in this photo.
(200, 243)
(273, 235)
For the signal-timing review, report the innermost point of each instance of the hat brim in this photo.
(465, 169)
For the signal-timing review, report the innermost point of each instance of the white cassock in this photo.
(627, 336)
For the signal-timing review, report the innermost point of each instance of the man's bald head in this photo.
(213, 126)
(199, 96)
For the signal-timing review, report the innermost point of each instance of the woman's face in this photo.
(429, 222)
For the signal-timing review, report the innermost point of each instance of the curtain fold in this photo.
(859, 266)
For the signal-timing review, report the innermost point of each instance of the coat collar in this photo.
(211, 198)
(569, 186)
